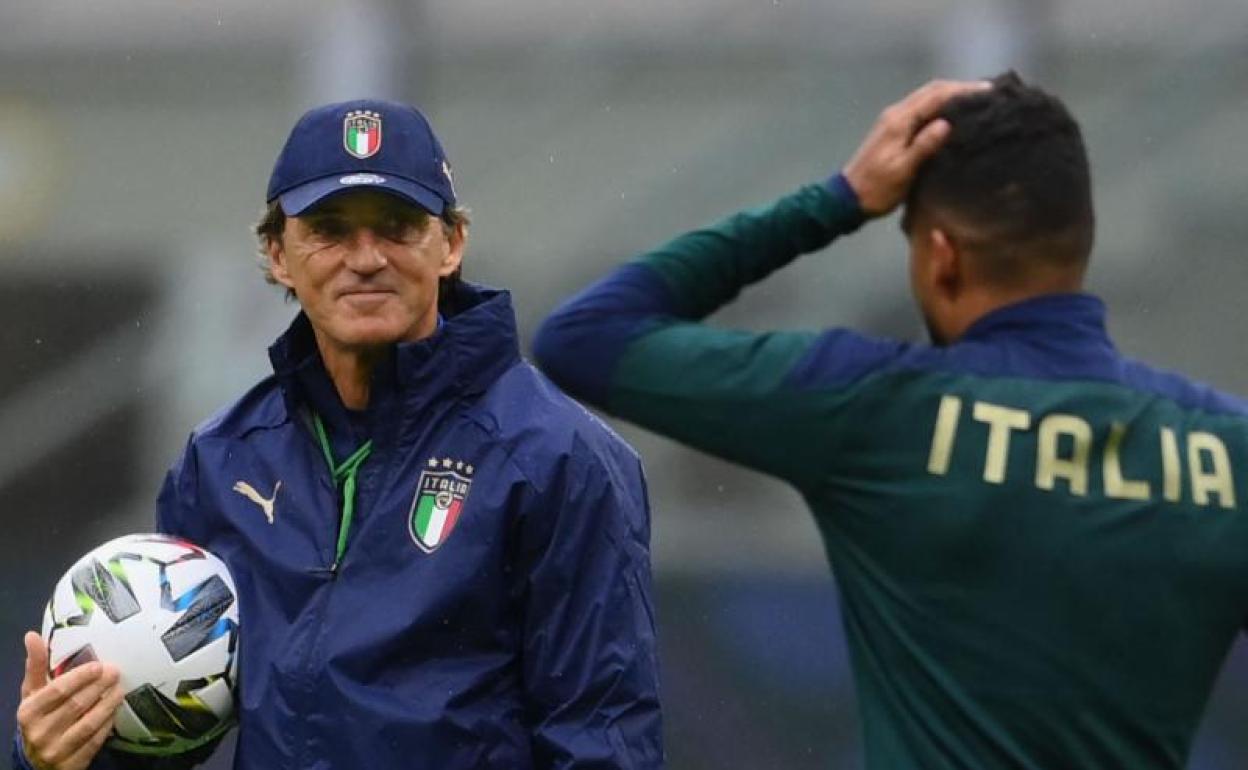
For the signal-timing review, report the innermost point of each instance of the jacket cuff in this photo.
(20, 762)
(839, 186)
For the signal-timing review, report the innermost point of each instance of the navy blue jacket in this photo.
(524, 638)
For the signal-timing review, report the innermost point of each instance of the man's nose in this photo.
(364, 253)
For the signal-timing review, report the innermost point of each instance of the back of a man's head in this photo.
(1011, 183)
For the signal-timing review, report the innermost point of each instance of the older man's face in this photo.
(365, 267)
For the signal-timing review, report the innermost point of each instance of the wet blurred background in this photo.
(136, 137)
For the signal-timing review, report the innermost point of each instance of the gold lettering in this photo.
(1001, 420)
(1217, 480)
(1171, 469)
(943, 434)
(1116, 486)
(1050, 466)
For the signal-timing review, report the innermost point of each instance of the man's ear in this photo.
(947, 262)
(277, 262)
(457, 241)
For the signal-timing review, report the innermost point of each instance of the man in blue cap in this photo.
(441, 560)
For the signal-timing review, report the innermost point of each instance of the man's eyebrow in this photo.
(403, 214)
(386, 209)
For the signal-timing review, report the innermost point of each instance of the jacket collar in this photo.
(1073, 321)
(468, 352)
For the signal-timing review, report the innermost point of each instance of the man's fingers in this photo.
(902, 121)
(67, 732)
(50, 697)
(86, 699)
(928, 140)
(36, 663)
(83, 740)
(81, 758)
(907, 133)
(924, 103)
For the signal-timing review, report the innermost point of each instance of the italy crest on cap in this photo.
(440, 496)
(361, 133)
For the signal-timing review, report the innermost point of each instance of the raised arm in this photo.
(632, 345)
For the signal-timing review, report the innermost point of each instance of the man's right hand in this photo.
(906, 134)
(64, 722)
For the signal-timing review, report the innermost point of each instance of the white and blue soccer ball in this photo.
(165, 613)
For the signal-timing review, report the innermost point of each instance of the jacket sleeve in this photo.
(178, 495)
(590, 663)
(175, 515)
(634, 345)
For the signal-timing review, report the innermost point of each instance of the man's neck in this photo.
(351, 371)
(351, 368)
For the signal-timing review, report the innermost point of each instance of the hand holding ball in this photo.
(164, 613)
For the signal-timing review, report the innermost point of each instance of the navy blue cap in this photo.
(362, 143)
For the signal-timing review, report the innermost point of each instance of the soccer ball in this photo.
(165, 613)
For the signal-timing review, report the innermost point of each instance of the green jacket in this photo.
(1040, 544)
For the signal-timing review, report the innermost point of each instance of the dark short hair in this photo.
(1014, 170)
(273, 223)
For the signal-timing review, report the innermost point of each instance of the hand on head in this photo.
(905, 134)
(64, 722)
